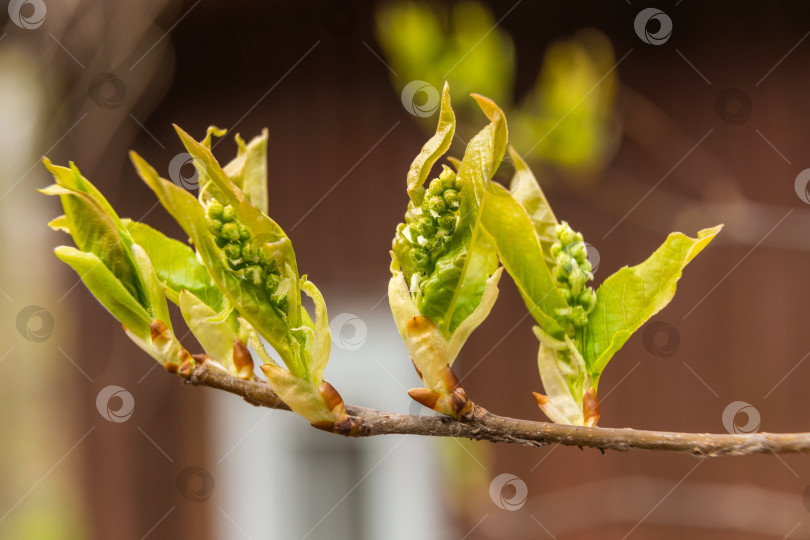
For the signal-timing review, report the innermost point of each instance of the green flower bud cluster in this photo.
(428, 228)
(572, 273)
(245, 259)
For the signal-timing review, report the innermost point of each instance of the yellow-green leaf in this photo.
(628, 298)
(433, 149)
(521, 253)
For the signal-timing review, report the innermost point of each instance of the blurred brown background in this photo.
(340, 144)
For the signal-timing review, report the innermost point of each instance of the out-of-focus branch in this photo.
(490, 427)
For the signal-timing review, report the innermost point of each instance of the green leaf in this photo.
(176, 265)
(248, 169)
(264, 230)
(432, 150)
(159, 309)
(482, 263)
(478, 315)
(249, 300)
(215, 334)
(521, 253)
(482, 158)
(403, 308)
(91, 222)
(210, 133)
(628, 298)
(454, 290)
(322, 345)
(96, 229)
(526, 190)
(59, 224)
(107, 289)
(560, 404)
(301, 395)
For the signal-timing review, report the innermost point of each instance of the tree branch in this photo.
(490, 427)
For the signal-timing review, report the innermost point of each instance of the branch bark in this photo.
(490, 427)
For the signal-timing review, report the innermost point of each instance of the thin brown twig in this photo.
(490, 427)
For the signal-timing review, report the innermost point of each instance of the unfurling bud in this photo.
(247, 260)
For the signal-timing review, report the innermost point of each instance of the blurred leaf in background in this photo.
(461, 44)
(567, 119)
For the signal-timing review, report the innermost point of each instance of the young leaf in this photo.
(403, 308)
(559, 403)
(319, 403)
(107, 289)
(248, 170)
(526, 190)
(263, 230)
(628, 298)
(249, 298)
(97, 231)
(478, 315)
(322, 340)
(482, 157)
(92, 223)
(523, 257)
(176, 265)
(432, 150)
(215, 334)
(299, 395)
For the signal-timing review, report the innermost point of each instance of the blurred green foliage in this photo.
(424, 42)
(567, 119)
